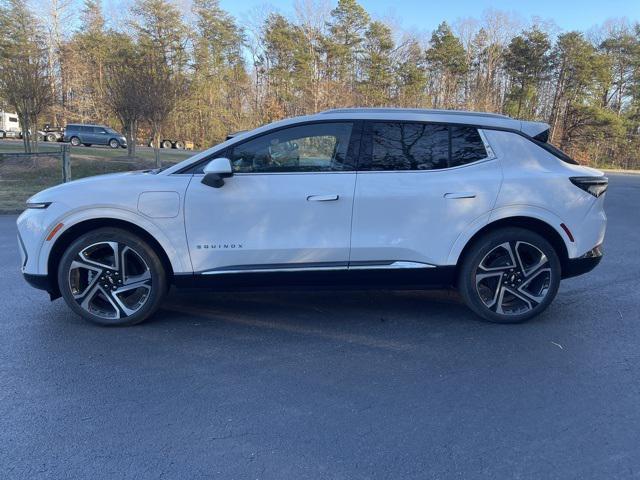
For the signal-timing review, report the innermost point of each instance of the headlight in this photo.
(38, 205)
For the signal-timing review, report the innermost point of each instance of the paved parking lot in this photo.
(339, 385)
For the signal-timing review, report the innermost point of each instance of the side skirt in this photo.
(361, 279)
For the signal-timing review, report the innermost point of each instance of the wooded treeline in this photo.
(200, 74)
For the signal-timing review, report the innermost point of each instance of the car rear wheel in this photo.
(112, 277)
(166, 144)
(51, 137)
(509, 275)
(113, 143)
(75, 141)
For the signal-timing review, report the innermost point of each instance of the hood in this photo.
(59, 192)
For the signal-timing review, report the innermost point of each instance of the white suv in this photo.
(371, 198)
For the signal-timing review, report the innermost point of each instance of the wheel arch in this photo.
(533, 224)
(82, 227)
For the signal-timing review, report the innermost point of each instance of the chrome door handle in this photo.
(322, 198)
(460, 195)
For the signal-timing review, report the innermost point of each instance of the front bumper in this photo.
(42, 282)
(587, 262)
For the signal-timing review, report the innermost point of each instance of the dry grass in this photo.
(20, 178)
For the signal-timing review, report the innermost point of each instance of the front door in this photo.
(287, 206)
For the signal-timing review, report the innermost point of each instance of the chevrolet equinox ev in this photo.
(359, 198)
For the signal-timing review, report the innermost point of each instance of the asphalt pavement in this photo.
(329, 385)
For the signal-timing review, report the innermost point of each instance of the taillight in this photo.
(596, 186)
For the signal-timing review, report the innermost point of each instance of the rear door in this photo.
(85, 134)
(419, 187)
(287, 206)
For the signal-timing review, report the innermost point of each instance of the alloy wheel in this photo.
(110, 280)
(513, 278)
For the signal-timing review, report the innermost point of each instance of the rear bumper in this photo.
(587, 262)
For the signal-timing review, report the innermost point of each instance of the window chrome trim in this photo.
(245, 174)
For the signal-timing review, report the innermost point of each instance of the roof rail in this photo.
(417, 111)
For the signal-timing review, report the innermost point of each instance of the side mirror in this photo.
(216, 171)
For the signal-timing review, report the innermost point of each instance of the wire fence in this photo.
(24, 174)
(62, 157)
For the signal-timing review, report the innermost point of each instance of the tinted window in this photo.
(466, 146)
(85, 129)
(421, 146)
(409, 146)
(13, 119)
(318, 147)
(99, 130)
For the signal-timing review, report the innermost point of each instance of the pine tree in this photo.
(347, 27)
(219, 83)
(447, 61)
(528, 64)
(161, 38)
(411, 79)
(377, 65)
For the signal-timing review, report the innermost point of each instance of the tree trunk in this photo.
(131, 138)
(24, 122)
(156, 145)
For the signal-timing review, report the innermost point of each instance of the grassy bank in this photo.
(20, 177)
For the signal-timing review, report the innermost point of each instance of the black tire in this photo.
(51, 137)
(179, 145)
(166, 144)
(113, 143)
(500, 286)
(75, 141)
(97, 287)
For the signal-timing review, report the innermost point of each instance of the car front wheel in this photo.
(509, 275)
(113, 143)
(112, 277)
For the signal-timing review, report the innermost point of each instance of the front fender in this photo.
(170, 235)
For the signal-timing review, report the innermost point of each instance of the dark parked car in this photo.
(88, 135)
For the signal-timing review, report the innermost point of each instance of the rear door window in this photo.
(409, 146)
(420, 146)
(466, 145)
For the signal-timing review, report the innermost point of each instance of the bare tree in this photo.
(161, 90)
(125, 89)
(24, 79)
